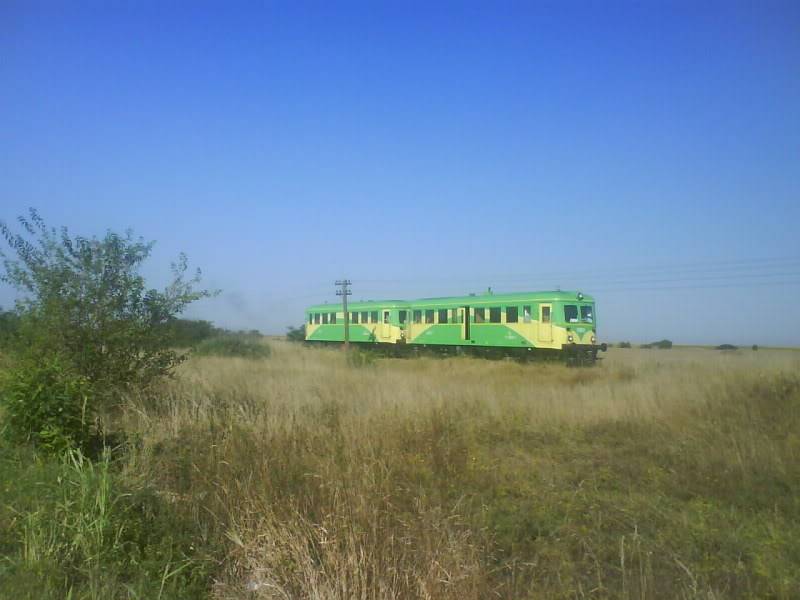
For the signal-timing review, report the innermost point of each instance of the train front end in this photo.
(578, 324)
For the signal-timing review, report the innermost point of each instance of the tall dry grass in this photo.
(656, 474)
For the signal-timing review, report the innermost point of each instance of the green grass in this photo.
(654, 475)
(71, 528)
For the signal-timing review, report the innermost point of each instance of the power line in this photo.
(771, 271)
(699, 287)
(732, 267)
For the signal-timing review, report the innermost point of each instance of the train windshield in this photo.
(587, 314)
(570, 313)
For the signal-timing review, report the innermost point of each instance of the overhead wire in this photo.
(741, 265)
(733, 273)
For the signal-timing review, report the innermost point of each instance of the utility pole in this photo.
(344, 292)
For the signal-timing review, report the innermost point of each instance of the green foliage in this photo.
(243, 346)
(48, 405)
(9, 326)
(624, 345)
(86, 302)
(296, 334)
(72, 528)
(187, 333)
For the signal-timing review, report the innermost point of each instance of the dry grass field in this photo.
(656, 474)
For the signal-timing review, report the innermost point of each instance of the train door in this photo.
(465, 323)
(402, 319)
(545, 322)
(386, 326)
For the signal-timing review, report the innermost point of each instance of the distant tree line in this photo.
(182, 333)
(188, 333)
(661, 345)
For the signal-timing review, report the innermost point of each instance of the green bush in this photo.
(624, 344)
(47, 405)
(186, 333)
(234, 345)
(9, 326)
(296, 334)
(85, 301)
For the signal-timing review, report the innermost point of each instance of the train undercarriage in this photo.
(570, 354)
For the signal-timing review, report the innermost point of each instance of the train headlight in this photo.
(570, 338)
(594, 339)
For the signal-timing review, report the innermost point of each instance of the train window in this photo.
(429, 315)
(480, 315)
(324, 318)
(316, 318)
(333, 319)
(587, 314)
(417, 316)
(512, 314)
(494, 314)
(364, 317)
(310, 319)
(386, 317)
(570, 313)
(454, 316)
(402, 316)
(373, 316)
(442, 315)
(526, 314)
(354, 317)
(545, 314)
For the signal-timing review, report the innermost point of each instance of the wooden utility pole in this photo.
(344, 292)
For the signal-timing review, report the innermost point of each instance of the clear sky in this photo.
(648, 153)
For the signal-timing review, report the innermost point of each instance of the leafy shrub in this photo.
(47, 405)
(726, 347)
(296, 334)
(190, 332)
(624, 344)
(243, 346)
(755, 347)
(86, 302)
(9, 326)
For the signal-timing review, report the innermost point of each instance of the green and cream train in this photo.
(519, 324)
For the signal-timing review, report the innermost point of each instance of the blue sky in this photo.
(648, 153)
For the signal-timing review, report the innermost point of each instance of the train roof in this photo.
(449, 301)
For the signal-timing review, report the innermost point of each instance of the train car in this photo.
(518, 324)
